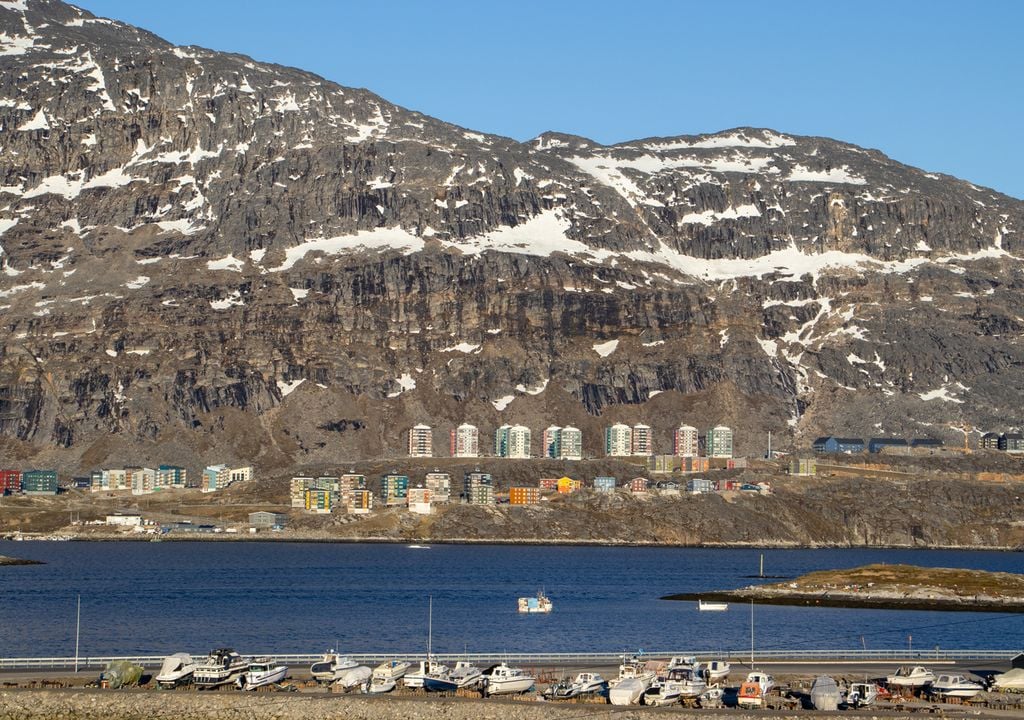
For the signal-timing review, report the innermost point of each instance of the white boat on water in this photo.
(634, 678)
(825, 693)
(862, 694)
(910, 677)
(176, 670)
(955, 686)
(223, 666)
(712, 606)
(504, 680)
(716, 670)
(540, 604)
(330, 666)
(754, 689)
(261, 672)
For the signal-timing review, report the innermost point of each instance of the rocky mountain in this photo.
(205, 257)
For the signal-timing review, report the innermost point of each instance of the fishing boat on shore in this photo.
(390, 671)
(176, 670)
(330, 666)
(540, 604)
(585, 683)
(634, 678)
(690, 681)
(221, 667)
(754, 689)
(716, 671)
(352, 678)
(712, 606)
(463, 675)
(862, 694)
(261, 672)
(956, 686)
(504, 680)
(910, 677)
(825, 693)
(662, 692)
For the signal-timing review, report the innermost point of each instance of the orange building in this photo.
(523, 496)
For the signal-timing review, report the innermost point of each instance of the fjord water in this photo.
(154, 598)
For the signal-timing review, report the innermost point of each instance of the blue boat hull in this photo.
(439, 685)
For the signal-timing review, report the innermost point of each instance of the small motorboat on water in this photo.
(327, 669)
(261, 672)
(504, 680)
(825, 693)
(540, 604)
(910, 677)
(712, 606)
(862, 694)
(177, 670)
(956, 686)
(221, 667)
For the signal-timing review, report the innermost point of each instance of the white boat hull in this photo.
(354, 677)
(512, 686)
(251, 681)
(628, 691)
(379, 686)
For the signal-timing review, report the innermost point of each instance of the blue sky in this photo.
(931, 83)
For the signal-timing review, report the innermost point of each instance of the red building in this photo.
(10, 481)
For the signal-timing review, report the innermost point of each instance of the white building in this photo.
(519, 441)
(618, 440)
(719, 442)
(687, 442)
(419, 500)
(465, 441)
(642, 441)
(124, 520)
(571, 443)
(421, 441)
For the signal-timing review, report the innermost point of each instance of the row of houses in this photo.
(144, 480)
(29, 482)
(1007, 442)
(349, 493)
(887, 445)
(566, 443)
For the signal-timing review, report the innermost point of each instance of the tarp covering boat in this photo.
(825, 693)
(121, 673)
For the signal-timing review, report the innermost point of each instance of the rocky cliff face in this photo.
(205, 257)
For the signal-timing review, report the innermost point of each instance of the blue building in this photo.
(603, 483)
(832, 444)
(897, 445)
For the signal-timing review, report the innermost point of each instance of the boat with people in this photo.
(328, 668)
(540, 604)
(634, 678)
(910, 676)
(956, 686)
(712, 606)
(177, 670)
(504, 680)
(261, 672)
(755, 689)
(221, 667)
(861, 694)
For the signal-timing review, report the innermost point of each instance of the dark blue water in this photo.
(153, 598)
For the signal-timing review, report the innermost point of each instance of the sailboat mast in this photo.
(78, 628)
(430, 628)
(751, 634)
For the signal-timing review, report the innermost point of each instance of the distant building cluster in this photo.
(566, 443)
(1011, 442)
(133, 479)
(876, 445)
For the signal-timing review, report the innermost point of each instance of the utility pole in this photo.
(78, 628)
